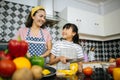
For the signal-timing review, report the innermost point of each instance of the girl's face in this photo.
(39, 18)
(68, 33)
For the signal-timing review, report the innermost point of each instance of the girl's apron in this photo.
(69, 52)
(36, 45)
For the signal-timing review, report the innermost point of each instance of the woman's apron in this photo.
(37, 46)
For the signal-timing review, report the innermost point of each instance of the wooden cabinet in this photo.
(87, 22)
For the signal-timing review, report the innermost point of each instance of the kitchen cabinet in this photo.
(87, 22)
(112, 23)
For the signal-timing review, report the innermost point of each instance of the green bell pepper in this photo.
(37, 60)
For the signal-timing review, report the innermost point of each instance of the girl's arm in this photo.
(49, 46)
(80, 67)
(54, 59)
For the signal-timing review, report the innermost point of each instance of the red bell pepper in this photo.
(17, 48)
(5, 55)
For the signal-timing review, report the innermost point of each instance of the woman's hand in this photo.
(28, 55)
(42, 56)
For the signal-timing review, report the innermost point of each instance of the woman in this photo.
(67, 48)
(38, 38)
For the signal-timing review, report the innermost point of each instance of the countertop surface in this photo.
(98, 74)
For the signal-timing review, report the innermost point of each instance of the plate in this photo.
(52, 70)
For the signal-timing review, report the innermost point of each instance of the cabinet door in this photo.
(95, 24)
(87, 22)
(91, 24)
(79, 18)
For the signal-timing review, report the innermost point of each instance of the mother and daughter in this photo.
(39, 40)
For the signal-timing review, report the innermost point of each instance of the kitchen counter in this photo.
(97, 64)
(98, 74)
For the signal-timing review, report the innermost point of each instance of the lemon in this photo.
(45, 72)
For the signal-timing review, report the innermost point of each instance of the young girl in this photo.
(68, 48)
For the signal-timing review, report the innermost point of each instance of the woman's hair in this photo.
(30, 20)
(74, 29)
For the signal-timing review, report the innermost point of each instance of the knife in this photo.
(74, 60)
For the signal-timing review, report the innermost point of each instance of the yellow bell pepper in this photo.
(74, 67)
(46, 72)
(66, 72)
(116, 73)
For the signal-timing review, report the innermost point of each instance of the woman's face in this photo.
(68, 33)
(39, 18)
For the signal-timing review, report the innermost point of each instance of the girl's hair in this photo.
(30, 20)
(74, 29)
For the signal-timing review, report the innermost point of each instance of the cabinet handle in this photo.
(79, 20)
(96, 24)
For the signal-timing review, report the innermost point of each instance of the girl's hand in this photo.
(80, 67)
(63, 59)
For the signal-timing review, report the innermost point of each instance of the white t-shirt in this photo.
(67, 49)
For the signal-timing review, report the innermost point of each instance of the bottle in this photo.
(85, 55)
(91, 54)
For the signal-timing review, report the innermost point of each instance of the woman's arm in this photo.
(49, 46)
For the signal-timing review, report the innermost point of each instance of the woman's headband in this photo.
(35, 9)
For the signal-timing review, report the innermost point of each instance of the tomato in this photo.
(17, 48)
(110, 69)
(88, 71)
(7, 68)
(118, 62)
(5, 55)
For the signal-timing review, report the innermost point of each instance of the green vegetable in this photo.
(37, 60)
(1, 78)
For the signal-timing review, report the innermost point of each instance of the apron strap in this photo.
(42, 35)
(28, 34)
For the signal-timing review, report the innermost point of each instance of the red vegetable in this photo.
(118, 62)
(88, 71)
(17, 48)
(5, 55)
(110, 69)
(7, 68)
